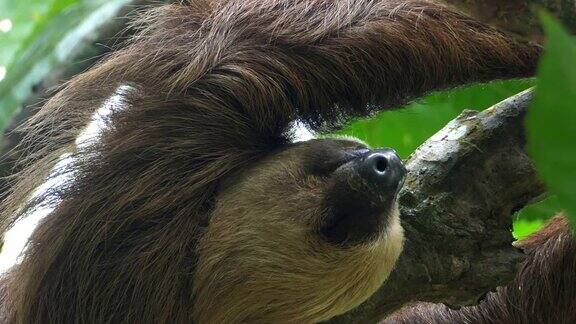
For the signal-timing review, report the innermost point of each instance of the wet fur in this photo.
(213, 89)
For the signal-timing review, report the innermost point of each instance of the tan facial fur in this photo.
(260, 260)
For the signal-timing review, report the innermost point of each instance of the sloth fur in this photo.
(195, 206)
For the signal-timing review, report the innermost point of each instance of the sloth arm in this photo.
(321, 62)
(253, 67)
(219, 82)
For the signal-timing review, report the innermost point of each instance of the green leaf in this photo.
(523, 227)
(552, 116)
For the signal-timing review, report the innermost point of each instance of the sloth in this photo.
(195, 204)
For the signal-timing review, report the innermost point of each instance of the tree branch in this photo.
(463, 185)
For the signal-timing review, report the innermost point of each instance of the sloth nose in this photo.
(382, 167)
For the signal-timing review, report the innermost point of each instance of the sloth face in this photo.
(307, 233)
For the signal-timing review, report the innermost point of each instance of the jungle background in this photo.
(45, 42)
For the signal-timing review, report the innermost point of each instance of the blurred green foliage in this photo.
(44, 31)
(407, 128)
(43, 34)
(552, 117)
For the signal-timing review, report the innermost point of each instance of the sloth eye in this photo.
(325, 163)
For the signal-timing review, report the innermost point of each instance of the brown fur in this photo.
(544, 290)
(171, 216)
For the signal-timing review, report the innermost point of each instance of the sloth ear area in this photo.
(299, 132)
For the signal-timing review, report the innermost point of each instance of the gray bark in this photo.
(463, 186)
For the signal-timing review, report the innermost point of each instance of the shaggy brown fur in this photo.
(193, 192)
(544, 290)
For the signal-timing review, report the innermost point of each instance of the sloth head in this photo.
(307, 233)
